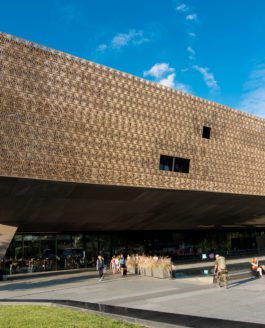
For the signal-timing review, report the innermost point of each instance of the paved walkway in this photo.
(202, 264)
(243, 301)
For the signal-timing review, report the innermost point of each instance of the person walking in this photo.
(123, 265)
(117, 264)
(100, 267)
(113, 265)
(220, 270)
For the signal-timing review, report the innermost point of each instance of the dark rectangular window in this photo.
(166, 163)
(206, 132)
(176, 164)
(181, 165)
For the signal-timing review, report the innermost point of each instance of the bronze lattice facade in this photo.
(69, 120)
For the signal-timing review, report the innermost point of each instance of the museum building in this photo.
(96, 160)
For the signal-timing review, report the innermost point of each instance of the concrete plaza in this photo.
(243, 301)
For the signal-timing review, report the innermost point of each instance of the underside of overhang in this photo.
(50, 206)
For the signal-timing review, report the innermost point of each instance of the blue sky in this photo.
(214, 49)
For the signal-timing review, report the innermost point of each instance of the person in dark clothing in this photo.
(123, 265)
(100, 267)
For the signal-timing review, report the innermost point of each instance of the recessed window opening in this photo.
(181, 165)
(176, 164)
(206, 132)
(166, 163)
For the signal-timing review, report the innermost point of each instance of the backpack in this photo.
(221, 263)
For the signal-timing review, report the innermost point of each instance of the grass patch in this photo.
(32, 316)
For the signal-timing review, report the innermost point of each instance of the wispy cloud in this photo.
(193, 35)
(192, 17)
(253, 98)
(134, 37)
(189, 14)
(208, 77)
(184, 70)
(183, 7)
(120, 40)
(191, 52)
(166, 75)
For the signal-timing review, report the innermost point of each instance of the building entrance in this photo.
(45, 252)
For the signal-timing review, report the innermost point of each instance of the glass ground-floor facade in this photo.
(33, 252)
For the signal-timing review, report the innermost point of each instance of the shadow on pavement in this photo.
(30, 284)
(241, 282)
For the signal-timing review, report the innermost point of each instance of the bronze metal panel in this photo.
(64, 118)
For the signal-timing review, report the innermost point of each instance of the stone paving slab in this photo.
(243, 301)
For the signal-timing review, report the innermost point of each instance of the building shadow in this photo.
(30, 284)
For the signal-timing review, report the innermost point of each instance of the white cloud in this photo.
(253, 99)
(182, 7)
(192, 34)
(159, 70)
(182, 87)
(191, 50)
(133, 37)
(122, 39)
(169, 81)
(184, 70)
(192, 53)
(165, 75)
(208, 77)
(191, 17)
(102, 47)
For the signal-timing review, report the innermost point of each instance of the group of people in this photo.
(221, 273)
(117, 265)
